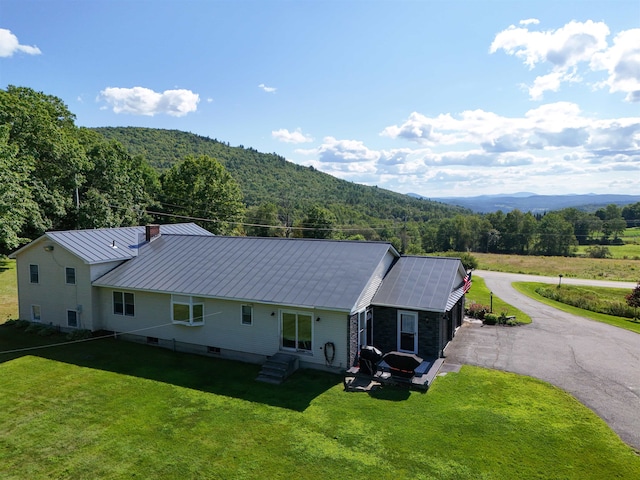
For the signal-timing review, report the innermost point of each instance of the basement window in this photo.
(186, 310)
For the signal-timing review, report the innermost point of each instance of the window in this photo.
(365, 331)
(70, 275)
(35, 313)
(247, 315)
(408, 331)
(34, 275)
(123, 304)
(187, 310)
(296, 329)
(72, 318)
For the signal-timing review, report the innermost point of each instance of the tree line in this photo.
(57, 176)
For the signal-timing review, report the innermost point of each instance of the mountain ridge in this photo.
(534, 203)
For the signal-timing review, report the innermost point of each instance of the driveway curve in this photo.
(597, 363)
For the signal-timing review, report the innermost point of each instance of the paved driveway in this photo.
(597, 363)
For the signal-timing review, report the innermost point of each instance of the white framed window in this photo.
(72, 318)
(247, 314)
(407, 331)
(124, 304)
(35, 313)
(186, 310)
(70, 275)
(34, 274)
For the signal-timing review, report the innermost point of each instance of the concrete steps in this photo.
(277, 368)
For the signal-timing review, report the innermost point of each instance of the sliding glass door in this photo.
(296, 331)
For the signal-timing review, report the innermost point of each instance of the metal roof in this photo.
(101, 245)
(420, 283)
(295, 272)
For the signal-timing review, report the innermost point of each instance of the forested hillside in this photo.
(55, 175)
(269, 178)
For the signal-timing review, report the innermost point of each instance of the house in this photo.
(246, 298)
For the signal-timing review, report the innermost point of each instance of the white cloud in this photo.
(284, 135)
(144, 101)
(9, 45)
(529, 21)
(565, 49)
(545, 150)
(622, 62)
(263, 87)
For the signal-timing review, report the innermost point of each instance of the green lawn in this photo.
(110, 409)
(8, 290)
(528, 288)
(479, 293)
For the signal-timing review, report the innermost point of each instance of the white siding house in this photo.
(246, 298)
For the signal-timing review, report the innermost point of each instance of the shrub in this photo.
(47, 331)
(79, 335)
(502, 319)
(587, 300)
(11, 322)
(477, 310)
(469, 262)
(22, 324)
(490, 319)
(598, 251)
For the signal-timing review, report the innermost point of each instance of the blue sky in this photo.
(430, 97)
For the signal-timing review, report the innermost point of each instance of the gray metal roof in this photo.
(420, 283)
(101, 245)
(295, 272)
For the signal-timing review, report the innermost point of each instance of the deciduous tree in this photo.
(201, 187)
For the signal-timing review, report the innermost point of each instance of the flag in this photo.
(466, 285)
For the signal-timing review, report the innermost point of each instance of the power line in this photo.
(111, 335)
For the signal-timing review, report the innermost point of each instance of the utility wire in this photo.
(111, 335)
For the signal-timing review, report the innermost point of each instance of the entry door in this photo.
(408, 331)
(296, 330)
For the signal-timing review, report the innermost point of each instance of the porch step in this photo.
(277, 368)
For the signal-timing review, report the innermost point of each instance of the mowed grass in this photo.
(577, 267)
(8, 290)
(479, 293)
(529, 289)
(110, 409)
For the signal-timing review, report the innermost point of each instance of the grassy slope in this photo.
(528, 288)
(479, 293)
(594, 268)
(8, 290)
(112, 409)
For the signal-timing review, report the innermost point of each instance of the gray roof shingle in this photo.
(294, 272)
(420, 283)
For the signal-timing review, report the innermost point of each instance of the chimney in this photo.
(151, 232)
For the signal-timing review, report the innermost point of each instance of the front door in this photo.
(407, 331)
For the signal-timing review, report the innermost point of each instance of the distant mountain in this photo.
(530, 202)
(268, 177)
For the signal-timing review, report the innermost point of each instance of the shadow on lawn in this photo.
(213, 375)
